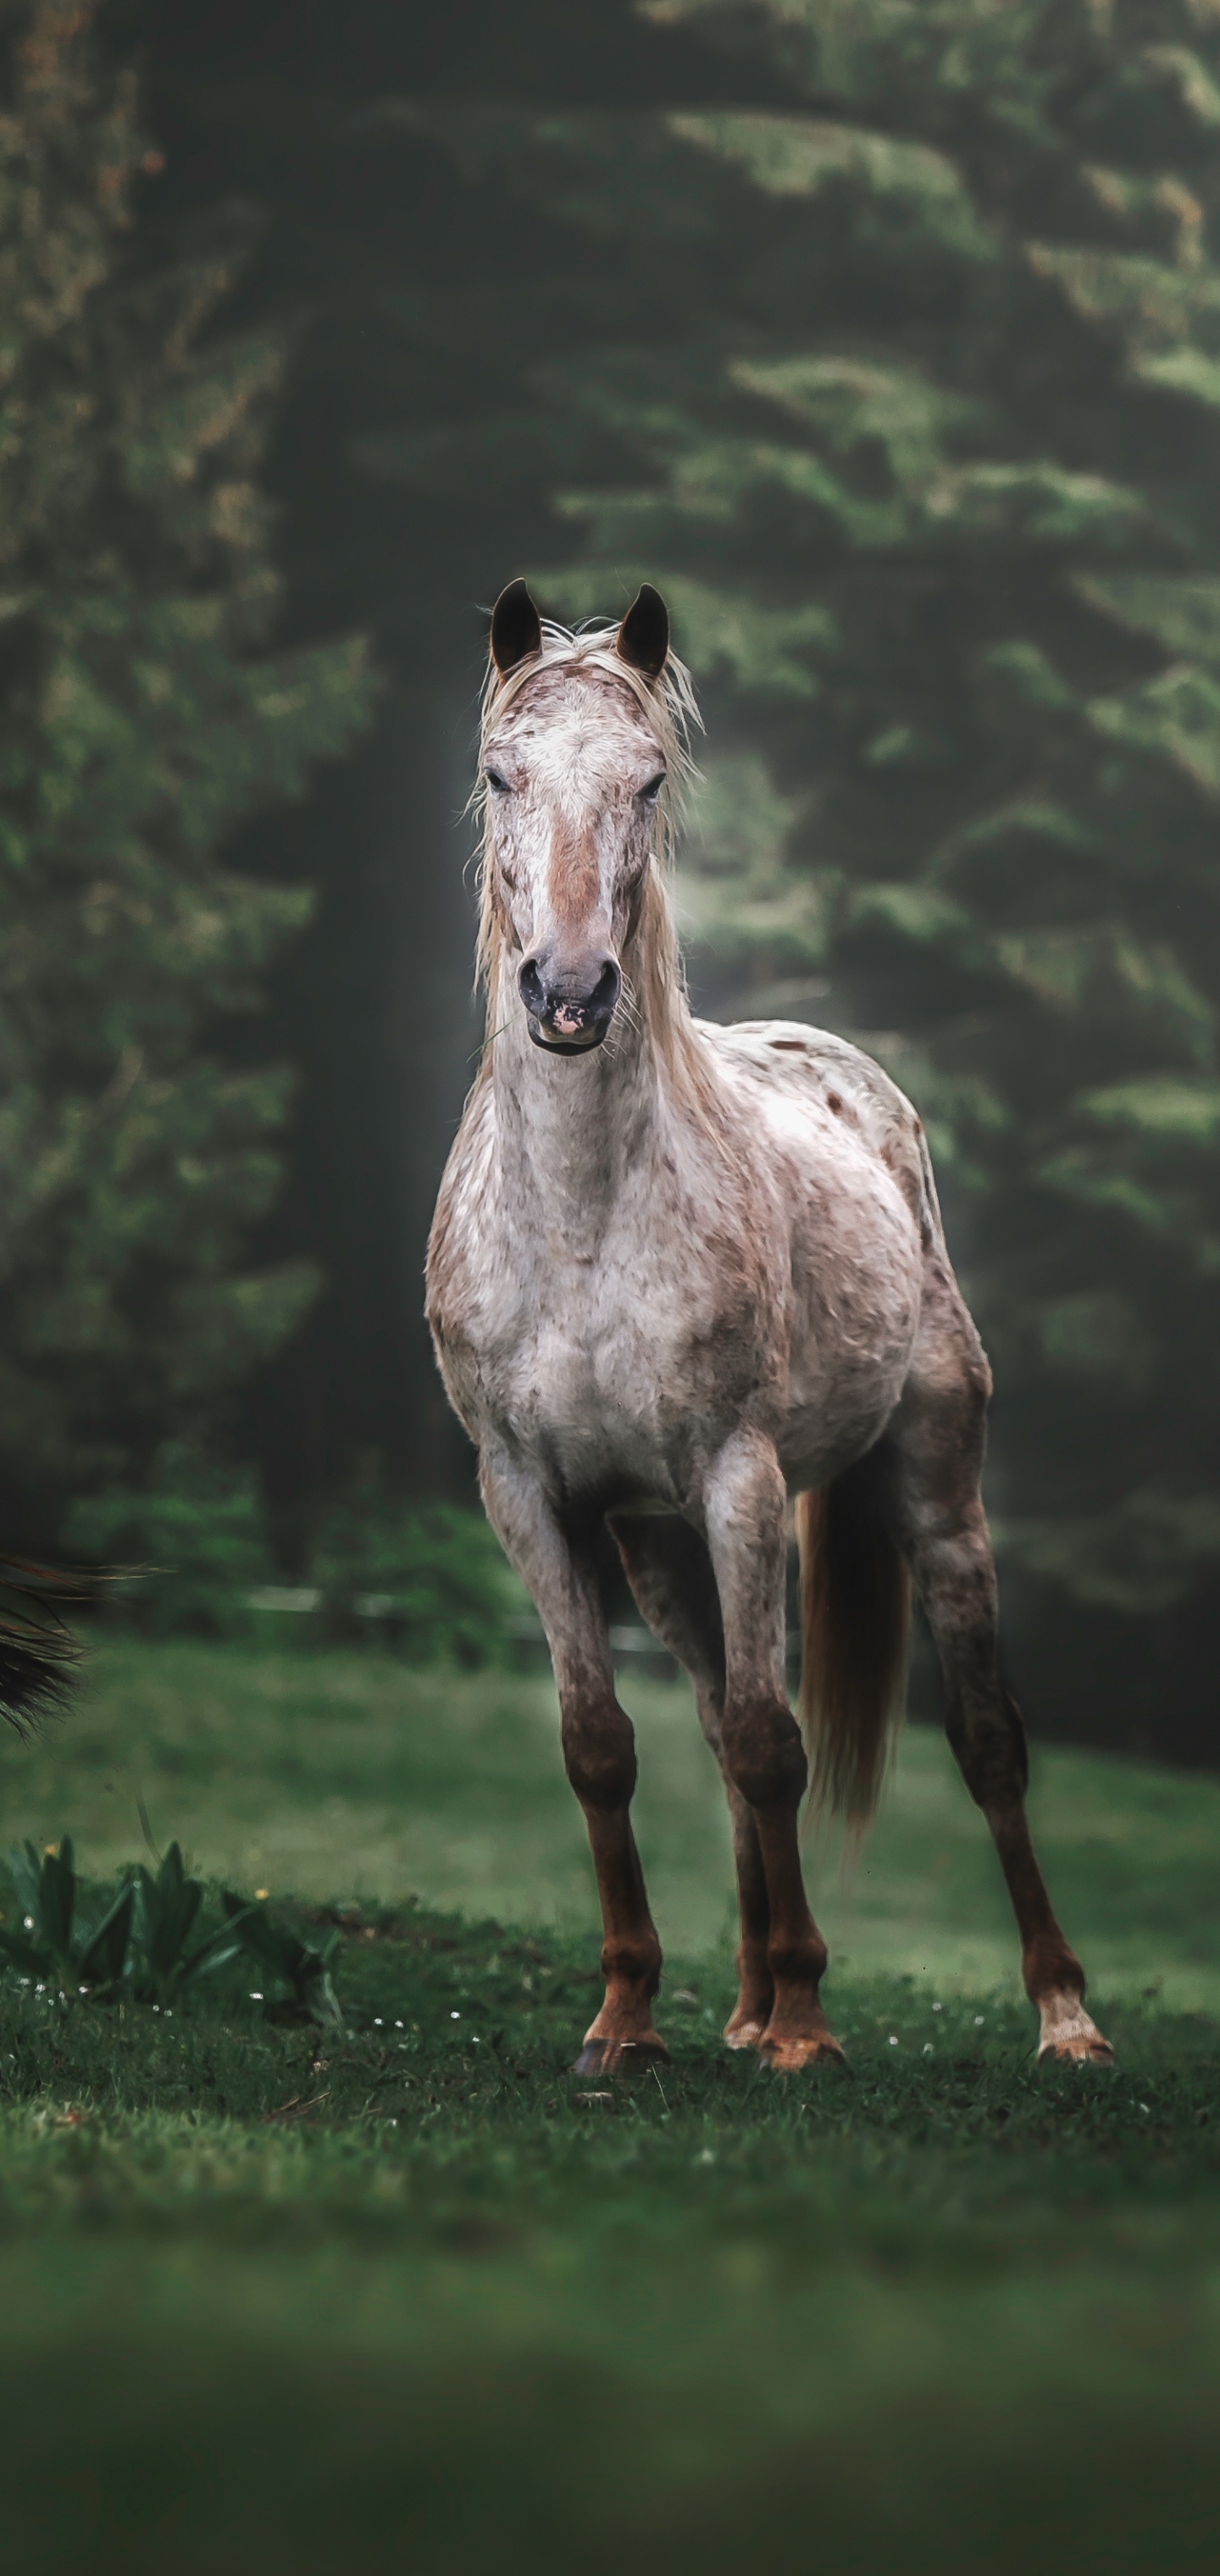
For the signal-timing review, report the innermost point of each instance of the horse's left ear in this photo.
(643, 637)
(516, 628)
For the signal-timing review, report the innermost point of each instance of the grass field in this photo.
(418, 2297)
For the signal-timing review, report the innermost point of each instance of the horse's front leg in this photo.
(744, 1503)
(556, 1563)
(670, 1573)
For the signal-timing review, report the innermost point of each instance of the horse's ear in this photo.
(516, 628)
(643, 637)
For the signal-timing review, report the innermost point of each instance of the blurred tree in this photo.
(142, 715)
(920, 430)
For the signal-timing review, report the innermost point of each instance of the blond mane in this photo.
(654, 982)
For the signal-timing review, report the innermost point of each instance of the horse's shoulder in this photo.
(460, 1198)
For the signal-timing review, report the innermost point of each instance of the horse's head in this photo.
(574, 765)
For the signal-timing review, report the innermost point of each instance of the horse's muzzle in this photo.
(567, 1015)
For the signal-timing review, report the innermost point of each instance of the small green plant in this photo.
(141, 1943)
(54, 1946)
(166, 1908)
(301, 1965)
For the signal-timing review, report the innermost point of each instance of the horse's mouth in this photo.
(572, 1041)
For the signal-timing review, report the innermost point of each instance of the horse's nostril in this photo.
(605, 993)
(531, 988)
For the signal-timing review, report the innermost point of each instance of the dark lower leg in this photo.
(797, 2032)
(932, 1461)
(557, 1560)
(1047, 1962)
(599, 1750)
(766, 1759)
(756, 1987)
(745, 1504)
(670, 1573)
(631, 1952)
(1054, 1978)
(984, 1727)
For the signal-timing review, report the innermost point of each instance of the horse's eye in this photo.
(496, 782)
(653, 789)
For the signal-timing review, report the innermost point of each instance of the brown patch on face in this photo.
(574, 878)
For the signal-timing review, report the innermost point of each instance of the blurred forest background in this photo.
(883, 335)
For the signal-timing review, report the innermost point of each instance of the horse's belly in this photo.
(857, 1286)
(822, 1435)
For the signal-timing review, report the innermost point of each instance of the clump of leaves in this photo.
(143, 1941)
(54, 1946)
(166, 1908)
(303, 1966)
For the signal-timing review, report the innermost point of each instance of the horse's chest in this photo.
(594, 1368)
(592, 1377)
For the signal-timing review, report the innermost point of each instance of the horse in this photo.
(679, 1272)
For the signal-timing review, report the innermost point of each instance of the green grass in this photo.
(342, 1775)
(421, 2298)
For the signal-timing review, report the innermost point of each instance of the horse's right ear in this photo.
(516, 628)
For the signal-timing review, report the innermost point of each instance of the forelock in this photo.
(668, 704)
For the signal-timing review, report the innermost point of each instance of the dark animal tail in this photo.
(38, 1654)
(856, 1623)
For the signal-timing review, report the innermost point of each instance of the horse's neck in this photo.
(572, 1132)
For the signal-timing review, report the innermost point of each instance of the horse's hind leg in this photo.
(931, 1461)
(670, 1573)
(599, 1750)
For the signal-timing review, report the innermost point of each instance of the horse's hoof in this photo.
(618, 2056)
(1069, 2037)
(794, 2056)
(744, 2034)
(1077, 2052)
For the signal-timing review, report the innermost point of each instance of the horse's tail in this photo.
(38, 1654)
(856, 1624)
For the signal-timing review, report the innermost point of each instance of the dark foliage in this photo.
(144, 711)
